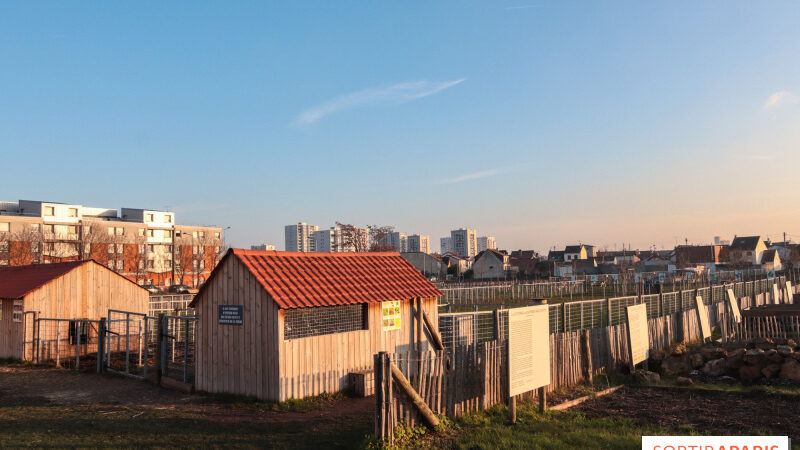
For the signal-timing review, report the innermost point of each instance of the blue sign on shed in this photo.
(230, 314)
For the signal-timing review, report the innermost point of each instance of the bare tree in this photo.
(354, 238)
(379, 238)
(25, 247)
(205, 254)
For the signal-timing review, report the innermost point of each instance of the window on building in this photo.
(17, 312)
(150, 264)
(5, 226)
(151, 248)
(202, 264)
(194, 234)
(194, 250)
(201, 234)
(168, 218)
(49, 211)
(110, 231)
(141, 248)
(120, 231)
(149, 217)
(72, 229)
(72, 212)
(141, 231)
(305, 322)
(35, 227)
(49, 228)
(216, 234)
(151, 233)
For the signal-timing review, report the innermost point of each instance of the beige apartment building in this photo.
(143, 245)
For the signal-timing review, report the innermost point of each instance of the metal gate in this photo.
(178, 347)
(130, 343)
(69, 343)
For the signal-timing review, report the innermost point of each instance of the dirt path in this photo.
(715, 412)
(24, 384)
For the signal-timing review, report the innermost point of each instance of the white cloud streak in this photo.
(780, 98)
(471, 176)
(391, 95)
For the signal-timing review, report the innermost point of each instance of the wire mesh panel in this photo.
(127, 351)
(617, 305)
(687, 300)
(458, 329)
(651, 301)
(585, 315)
(556, 318)
(179, 356)
(705, 294)
(717, 294)
(304, 322)
(68, 343)
(170, 304)
(671, 302)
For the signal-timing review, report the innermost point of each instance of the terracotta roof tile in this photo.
(300, 280)
(17, 281)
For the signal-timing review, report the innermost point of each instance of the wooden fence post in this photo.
(101, 345)
(380, 404)
(586, 356)
(161, 348)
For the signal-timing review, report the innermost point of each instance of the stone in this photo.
(754, 356)
(773, 356)
(766, 344)
(791, 343)
(715, 367)
(771, 371)
(646, 377)
(696, 360)
(784, 350)
(656, 355)
(735, 358)
(710, 353)
(683, 381)
(749, 373)
(675, 365)
(790, 370)
(695, 374)
(737, 353)
(678, 349)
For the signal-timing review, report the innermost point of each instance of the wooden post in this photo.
(586, 356)
(419, 321)
(380, 411)
(542, 399)
(101, 341)
(497, 330)
(512, 409)
(161, 348)
(437, 338)
(426, 413)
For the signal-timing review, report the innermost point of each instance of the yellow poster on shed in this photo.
(390, 315)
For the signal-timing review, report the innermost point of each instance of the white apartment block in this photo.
(142, 244)
(419, 243)
(329, 240)
(486, 243)
(300, 237)
(464, 242)
(263, 247)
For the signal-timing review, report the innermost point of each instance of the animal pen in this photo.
(586, 338)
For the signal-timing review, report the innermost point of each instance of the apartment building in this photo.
(464, 242)
(396, 240)
(334, 240)
(486, 243)
(143, 245)
(300, 237)
(419, 243)
(445, 245)
(263, 247)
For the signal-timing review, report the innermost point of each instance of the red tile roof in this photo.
(17, 281)
(299, 280)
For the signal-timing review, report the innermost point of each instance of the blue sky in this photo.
(540, 123)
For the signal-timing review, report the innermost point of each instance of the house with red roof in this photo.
(66, 290)
(281, 325)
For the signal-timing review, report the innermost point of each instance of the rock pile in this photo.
(764, 360)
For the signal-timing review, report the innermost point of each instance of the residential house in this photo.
(491, 264)
(747, 250)
(575, 252)
(771, 260)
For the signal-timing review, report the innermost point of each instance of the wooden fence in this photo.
(472, 374)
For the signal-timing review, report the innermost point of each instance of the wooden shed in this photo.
(68, 290)
(280, 325)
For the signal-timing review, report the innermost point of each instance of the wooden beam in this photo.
(578, 401)
(426, 413)
(437, 338)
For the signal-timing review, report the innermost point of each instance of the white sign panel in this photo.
(775, 298)
(638, 337)
(789, 293)
(733, 304)
(716, 442)
(528, 349)
(702, 318)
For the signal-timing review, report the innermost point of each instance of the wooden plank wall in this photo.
(317, 364)
(86, 292)
(237, 359)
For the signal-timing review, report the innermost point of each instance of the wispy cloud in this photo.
(471, 176)
(780, 98)
(391, 95)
